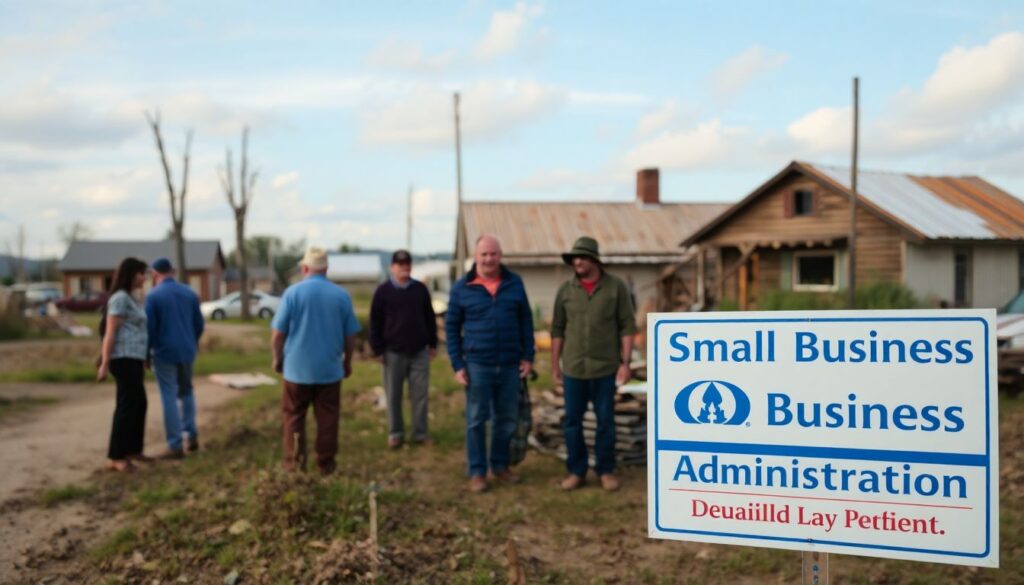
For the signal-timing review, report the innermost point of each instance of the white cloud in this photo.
(825, 130)
(506, 30)
(607, 98)
(425, 115)
(970, 87)
(42, 117)
(284, 180)
(563, 183)
(664, 116)
(970, 81)
(394, 53)
(737, 73)
(708, 144)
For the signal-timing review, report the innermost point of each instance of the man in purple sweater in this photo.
(403, 333)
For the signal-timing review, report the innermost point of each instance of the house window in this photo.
(961, 277)
(85, 283)
(803, 203)
(815, 271)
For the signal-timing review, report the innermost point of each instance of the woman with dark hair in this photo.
(125, 344)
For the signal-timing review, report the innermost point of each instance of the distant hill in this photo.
(34, 268)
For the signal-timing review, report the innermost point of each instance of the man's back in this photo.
(174, 320)
(316, 315)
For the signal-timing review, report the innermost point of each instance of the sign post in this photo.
(869, 433)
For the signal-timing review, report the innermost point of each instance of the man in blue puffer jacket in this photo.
(489, 328)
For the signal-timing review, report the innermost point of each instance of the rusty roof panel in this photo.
(939, 207)
(622, 229)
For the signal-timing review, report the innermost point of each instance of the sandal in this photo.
(139, 457)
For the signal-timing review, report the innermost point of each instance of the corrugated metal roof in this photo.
(354, 267)
(95, 255)
(966, 208)
(626, 232)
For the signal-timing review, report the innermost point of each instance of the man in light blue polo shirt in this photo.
(313, 340)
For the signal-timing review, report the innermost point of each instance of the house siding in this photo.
(995, 275)
(879, 257)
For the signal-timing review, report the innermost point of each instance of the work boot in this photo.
(572, 482)
(477, 484)
(609, 482)
(506, 476)
(171, 455)
(193, 444)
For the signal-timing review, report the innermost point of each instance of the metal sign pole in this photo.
(814, 569)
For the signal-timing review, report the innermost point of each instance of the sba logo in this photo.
(712, 402)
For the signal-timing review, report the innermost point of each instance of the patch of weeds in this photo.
(23, 403)
(54, 496)
(120, 543)
(149, 498)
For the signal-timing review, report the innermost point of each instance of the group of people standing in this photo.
(160, 333)
(490, 339)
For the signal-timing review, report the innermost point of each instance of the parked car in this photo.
(262, 305)
(86, 300)
(37, 294)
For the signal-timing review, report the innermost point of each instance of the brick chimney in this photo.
(647, 187)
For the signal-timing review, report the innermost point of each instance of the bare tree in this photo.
(177, 198)
(74, 232)
(240, 206)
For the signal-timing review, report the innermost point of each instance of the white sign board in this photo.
(857, 432)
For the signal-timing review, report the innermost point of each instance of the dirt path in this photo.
(64, 443)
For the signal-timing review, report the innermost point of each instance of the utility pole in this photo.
(460, 244)
(408, 221)
(851, 291)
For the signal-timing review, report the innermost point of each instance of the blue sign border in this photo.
(894, 455)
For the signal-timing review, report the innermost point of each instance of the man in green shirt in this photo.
(591, 342)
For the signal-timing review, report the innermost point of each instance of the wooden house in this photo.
(88, 265)
(953, 241)
(638, 239)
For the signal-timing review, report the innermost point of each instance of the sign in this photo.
(857, 432)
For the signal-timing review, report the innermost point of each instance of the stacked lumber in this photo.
(630, 424)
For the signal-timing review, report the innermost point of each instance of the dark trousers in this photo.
(129, 427)
(600, 392)
(326, 401)
(416, 368)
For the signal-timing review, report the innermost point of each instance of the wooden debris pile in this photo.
(630, 422)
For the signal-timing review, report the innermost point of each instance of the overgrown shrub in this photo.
(12, 327)
(886, 295)
(872, 295)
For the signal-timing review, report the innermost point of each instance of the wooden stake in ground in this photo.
(374, 542)
(177, 198)
(516, 574)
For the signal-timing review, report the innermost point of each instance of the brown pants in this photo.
(326, 400)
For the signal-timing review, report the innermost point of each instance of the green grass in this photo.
(83, 370)
(179, 514)
(67, 493)
(117, 544)
(10, 406)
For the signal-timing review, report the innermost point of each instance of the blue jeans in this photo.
(492, 394)
(175, 381)
(601, 392)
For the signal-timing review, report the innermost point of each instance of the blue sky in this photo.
(350, 104)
